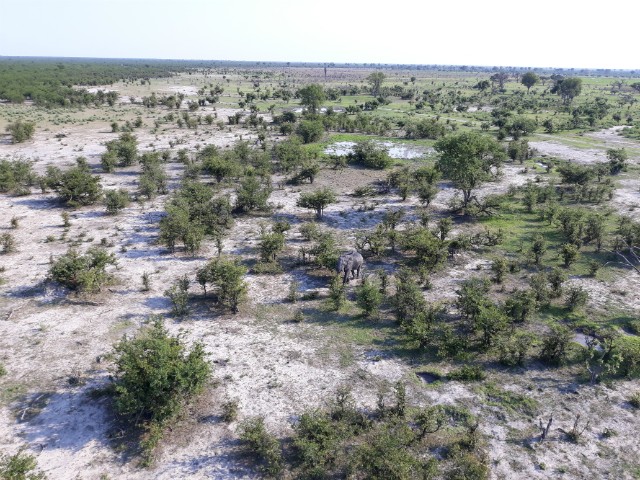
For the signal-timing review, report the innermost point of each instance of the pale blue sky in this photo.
(544, 33)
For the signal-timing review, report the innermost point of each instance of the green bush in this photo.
(154, 376)
(226, 277)
(178, 293)
(634, 400)
(555, 345)
(84, 273)
(116, 200)
(370, 155)
(257, 440)
(122, 152)
(310, 130)
(21, 131)
(20, 466)
(76, 186)
(251, 194)
(467, 373)
(16, 175)
(628, 350)
(7, 243)
(368, 297)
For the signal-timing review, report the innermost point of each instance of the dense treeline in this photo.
(49, 82)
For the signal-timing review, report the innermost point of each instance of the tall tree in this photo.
(529, 79)
(312, 96)
(467, 160)
(375, 80)
(568, 88)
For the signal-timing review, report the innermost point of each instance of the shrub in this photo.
(77, 187)
(634, 400)
(230, 411)
(7, 243)
(252, 195)
(368, 297)
(337, 293)
(555, 345)
(20, 466)
(577, 298)
(226, 277)
(155, 375)
(16, 176)
(21, 131)
(178, 293)
(628, 350)
(513, 349)
(122, 152)
(467, 373)
(116, 200)
(256, 438)
(84, 273)
(370, 155)
(310, 130)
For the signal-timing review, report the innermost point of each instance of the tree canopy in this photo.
(467, 159)
(312, 96)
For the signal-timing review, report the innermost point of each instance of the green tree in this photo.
(20, 130)
(529, 79)
(375, 79)
(568, 88)
(312, 96)
(317, 200)
(467, 160)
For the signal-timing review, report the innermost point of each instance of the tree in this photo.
(529, 79)
(375, 79)
(155, 374)
(567, 88)
(21, 131)
(312, 96)
(467, 159)
(317, 200)
(500, 78)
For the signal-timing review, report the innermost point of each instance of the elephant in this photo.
(350, 263)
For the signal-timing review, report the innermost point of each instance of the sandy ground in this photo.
(273, 367)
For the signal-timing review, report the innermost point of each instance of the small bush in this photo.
(634, 400)
(20, 466)
(7, 243)
(258, 441)
(178, 293)
(368, 297)
(467, 373)
(230, 411)
(116, 200)
(21, 131)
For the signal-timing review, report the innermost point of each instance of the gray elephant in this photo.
(350, 263)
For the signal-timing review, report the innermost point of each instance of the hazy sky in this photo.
(544, 33)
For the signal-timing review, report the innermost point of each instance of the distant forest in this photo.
(48, 81)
